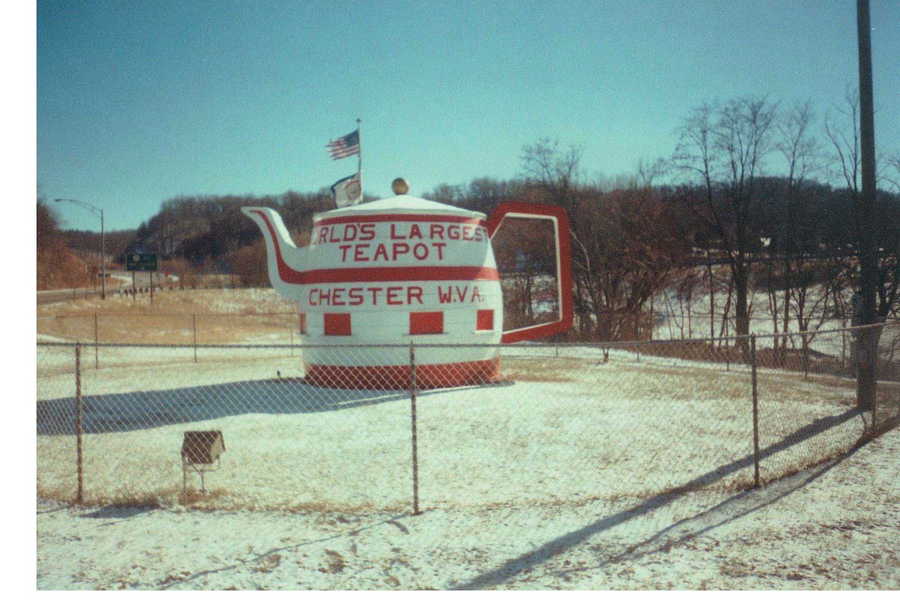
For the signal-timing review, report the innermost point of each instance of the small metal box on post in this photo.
(200, 452)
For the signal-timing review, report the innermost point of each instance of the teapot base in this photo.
(398, 377)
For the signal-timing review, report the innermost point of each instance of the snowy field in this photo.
(559, 430)
(833, 527)
(563, 484)
(576, 473)
(682, 319)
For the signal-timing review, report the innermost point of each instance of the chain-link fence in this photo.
(358, 428)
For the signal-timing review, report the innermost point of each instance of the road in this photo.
(117, 279)
(50, 296)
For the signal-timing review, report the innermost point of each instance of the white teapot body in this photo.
(398, 271)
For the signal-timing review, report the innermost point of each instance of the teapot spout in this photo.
(284, 260)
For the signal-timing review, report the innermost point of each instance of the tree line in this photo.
(715, 210)
(56, 264)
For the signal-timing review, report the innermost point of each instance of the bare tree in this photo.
(843, 132)
(625, 242)
(555, 170)
(725, 147)
(524, 250)
(800, 150)
(893, 165)
(647, 173)
(629, 248)
(554, 173)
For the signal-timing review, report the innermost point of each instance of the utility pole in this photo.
(865, 205)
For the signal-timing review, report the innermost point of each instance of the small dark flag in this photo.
(347, 191)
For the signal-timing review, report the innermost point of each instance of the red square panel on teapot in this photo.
(484, 320)
(337, 323)
(426, 322)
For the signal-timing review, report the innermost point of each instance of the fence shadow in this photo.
(556, 546)
(132, 411)
(731, 509)
(119, 512)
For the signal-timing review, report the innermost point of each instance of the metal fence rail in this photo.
(563, 423)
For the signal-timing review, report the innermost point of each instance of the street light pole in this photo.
(98, 211)
(102, 259)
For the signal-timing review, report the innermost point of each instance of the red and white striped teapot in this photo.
(400, 270)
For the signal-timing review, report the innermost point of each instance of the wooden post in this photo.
(415, 445)
(79, 496)
(755, 411)
(866, 378)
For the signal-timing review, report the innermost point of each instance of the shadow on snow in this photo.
(132, 411)
(515, 566)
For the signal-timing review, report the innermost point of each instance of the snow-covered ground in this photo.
(832, 527)
(536, 485)
(562, 429)
(676, 319)
(578, 473)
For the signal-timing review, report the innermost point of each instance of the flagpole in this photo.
(359, 157)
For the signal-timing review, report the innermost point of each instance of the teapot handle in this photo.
(556, 214)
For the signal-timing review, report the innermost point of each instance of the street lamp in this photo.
(97, 211)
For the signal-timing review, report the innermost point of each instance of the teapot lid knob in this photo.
(399, 186)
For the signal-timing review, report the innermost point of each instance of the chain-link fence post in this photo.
(844, 345)
(415, 444)
(755, 411)
(79, 496)
(194, 327)
(96, 342)
(876, 336)
(805, 341)
(866, 348)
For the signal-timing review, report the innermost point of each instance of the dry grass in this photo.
(214, 499)
(174, 317)
(545, 370)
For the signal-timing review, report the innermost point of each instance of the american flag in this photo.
(344, 146)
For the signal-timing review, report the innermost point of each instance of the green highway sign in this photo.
(140, 262)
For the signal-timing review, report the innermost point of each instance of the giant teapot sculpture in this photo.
(398, 271)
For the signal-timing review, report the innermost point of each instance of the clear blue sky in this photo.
(142, 101)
